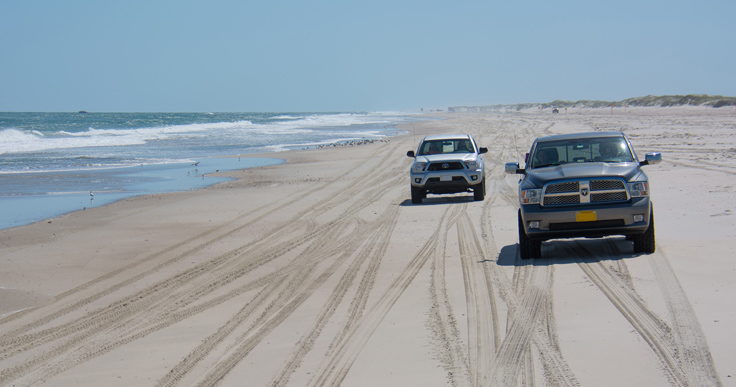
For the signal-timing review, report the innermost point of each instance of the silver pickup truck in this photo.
(584, 185)
(448, 163)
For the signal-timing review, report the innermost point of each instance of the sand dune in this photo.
(320, 272)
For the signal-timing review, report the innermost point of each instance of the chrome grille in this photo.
(603, 185)
(568, 186)
(584, 191)
(561, 200)
(608, 197)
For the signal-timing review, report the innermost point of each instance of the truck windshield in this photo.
(592, 150)
(433, 147)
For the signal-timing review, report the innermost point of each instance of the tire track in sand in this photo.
(197, 244)
(695, 357)
(443, 323)
(525, 326)
(118, 318)
(334, 370)
(293, 274)
(527, 295)
(681, 348)
(480, 306)
(111, 314)
(370, 255)
(383, 232)
(224, 367)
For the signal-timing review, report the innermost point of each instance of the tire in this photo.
(645, 243)
(528, 248)
(417, 194)
(479, 193)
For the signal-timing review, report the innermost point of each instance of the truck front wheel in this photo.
(528, 248)
(417, 194)
(645, 243)
(479, 192)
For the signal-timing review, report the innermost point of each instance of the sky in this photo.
(373, 55)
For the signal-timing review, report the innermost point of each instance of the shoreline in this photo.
(156, 178)
(214, 168)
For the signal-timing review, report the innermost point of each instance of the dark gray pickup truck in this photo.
(584, 185)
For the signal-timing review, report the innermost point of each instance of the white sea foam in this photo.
(285, 117)
(16, 141)
(159, 132)
(340, 119)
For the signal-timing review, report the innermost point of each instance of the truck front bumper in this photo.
(629, 218)
(447, 181)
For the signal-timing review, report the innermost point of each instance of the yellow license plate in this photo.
(586, 216)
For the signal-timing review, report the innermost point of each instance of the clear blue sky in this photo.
(316, 55)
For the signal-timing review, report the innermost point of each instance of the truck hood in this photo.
(446, 157)
(540, 176)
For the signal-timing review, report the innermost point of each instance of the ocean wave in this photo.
(288, 127)
(159, 132)
(285, 117)
(337, 119)
(17, 141)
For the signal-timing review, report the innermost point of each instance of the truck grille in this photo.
(602, 185)
(561, 200)
(608, 197)
(445, 166)
(568, 186)
(572, 192)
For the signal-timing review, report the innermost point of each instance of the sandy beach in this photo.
(321, 272)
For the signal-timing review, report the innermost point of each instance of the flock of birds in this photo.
(92, 194)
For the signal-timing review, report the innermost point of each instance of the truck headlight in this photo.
(418, 167)
(472, 164)
(639, 189)
(530, 196)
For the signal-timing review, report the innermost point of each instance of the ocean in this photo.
(55, 163)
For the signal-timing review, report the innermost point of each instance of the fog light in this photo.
(474, 177)
(638, 218)
(418, 180)
(534, 224)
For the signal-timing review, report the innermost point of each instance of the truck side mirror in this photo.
(513, 168)
(482, 150)
(410, 154)
(651, 158)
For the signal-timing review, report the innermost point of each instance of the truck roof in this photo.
(572, 136)
(446, 137)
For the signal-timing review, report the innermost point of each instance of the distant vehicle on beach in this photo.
(445, 164)
(584, 185)
(555, 110)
